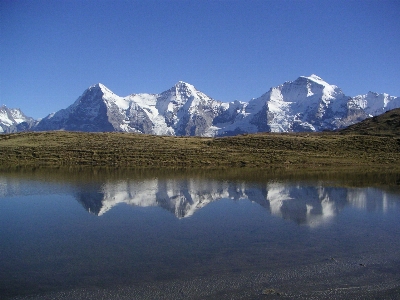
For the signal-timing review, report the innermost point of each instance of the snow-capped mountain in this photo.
(306, 104)
(375, 104)
(14, 120)
(181, 110)
(88, 113)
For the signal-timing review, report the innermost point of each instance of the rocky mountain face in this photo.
(375, 104)
(14, 120)
(88, 113)
(181, 110)
(306, 104)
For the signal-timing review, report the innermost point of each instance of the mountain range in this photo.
(306, 104)
(14, 120)
(311, 205)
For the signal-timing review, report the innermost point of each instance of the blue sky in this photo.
(51, 51)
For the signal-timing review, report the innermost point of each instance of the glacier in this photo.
(14, 120)
(306, 104)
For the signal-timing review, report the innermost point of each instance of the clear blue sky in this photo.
(51, 51)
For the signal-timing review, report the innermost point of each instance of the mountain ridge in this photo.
(387, 124)
(306, 104)
(14, 120)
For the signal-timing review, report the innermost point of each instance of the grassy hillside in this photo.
(384, 124)
(297, 151)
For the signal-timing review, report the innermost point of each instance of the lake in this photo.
(175, 234)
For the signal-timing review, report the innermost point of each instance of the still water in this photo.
(91, 234)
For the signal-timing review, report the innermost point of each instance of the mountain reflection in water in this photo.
(311, 203)
(154, 234)
(308, 205)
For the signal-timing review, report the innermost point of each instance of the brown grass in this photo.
(299, 151)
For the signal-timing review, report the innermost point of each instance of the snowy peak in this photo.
(375, 103)
(183, 91)
(6, 116)
(188, 111)
(181, 85)
(308, 103)
(104, 89)
(98, 88)
(12, 115)
(91, 96)
(88, 113)
(303, 88)
(14, 120)
(18, 115)
(316, 79)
